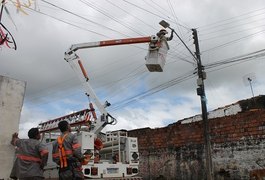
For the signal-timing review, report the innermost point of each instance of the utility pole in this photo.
(201, 93)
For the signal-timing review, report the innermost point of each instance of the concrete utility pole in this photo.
(201, 93)
(12, 93)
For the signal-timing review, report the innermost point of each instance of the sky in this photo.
(228, 31)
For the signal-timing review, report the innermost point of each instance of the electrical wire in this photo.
(233, 19)
(158, 8)
(174, 16)
(91, 5)
(79, 27)
(86, 19)
(154, 13)
(187, 76)
(136, 17)
(184, 77)
(232, 33)
(233, 41)
(127, 83)
(160, 87)
(75, 15)
(245, 57)
(231, 27)
(153, 90)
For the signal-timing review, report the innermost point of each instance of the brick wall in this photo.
(177, 151)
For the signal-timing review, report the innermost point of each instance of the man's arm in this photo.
(77, 149)
(55, 153)
(171, 35)
(44, 153)
(14, 139)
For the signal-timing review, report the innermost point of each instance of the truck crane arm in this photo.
(71, 57)
(115, 144)
(115, 42)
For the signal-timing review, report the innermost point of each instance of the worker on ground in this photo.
(31, 156)
(67, 154)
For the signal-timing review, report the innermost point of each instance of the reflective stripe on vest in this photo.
(75, 146)
(28, 158)
(67, 152)
(62, 152)
(44, 152)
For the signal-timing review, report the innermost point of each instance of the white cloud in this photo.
(117, 73)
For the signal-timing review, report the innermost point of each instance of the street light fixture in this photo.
(164, 24)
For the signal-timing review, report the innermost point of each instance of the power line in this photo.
(233, 19)
(153, 90)
(174, 15)
(233, 41)
(232, 33)
(79, 27)
(182, 78)
(153, 13)
(86, 19)
(110, 16)
(158, 8)
(143, 96)
(232, 27)
(245, 57)
(136, 17)
(186, 77)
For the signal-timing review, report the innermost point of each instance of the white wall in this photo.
(11, 100)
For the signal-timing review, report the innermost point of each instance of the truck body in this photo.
(110, 155)
(119, 157)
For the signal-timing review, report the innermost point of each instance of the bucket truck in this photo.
(119, 156)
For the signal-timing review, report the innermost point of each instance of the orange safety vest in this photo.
(62, 154)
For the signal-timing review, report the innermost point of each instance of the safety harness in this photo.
(62, 154)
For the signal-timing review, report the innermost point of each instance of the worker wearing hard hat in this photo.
(31, 156)
(67, 154)
(161, 34)
(153, 46)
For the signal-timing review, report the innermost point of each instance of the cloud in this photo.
(226, 29)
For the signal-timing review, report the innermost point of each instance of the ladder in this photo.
(80, 118)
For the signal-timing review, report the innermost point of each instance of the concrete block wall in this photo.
(11, 101)
(177, 151)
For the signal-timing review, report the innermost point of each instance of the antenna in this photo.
(248, 80)
(250, 83)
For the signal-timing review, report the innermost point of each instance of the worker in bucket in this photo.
(162, 34)
(161, 37)
(31, 156)
(67, 154)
